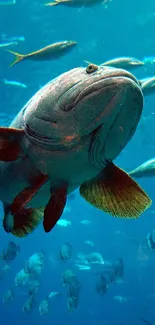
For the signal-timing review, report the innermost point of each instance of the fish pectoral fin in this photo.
(54, 208)
(25, 196)
(10, 149)
(23, 222)
(115, 192)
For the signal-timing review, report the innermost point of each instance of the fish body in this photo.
(10, 253)
(124, 63)
(66, 137)
(14, 83)
(148, 60)
(12, 39)
(89, 242)
(7, 3)
(121, 299)
(148, 86)
(147, 169)
(75, 3)
(86, 222)
(53, 51)
(8, 44)
(128, 63)
(64, 223)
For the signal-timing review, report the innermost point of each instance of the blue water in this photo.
(124, 28)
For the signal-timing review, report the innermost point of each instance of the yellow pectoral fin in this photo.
(115, 192)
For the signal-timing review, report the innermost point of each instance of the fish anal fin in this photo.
(10, 149)
(54, 208)
(25, 196)
(115, 192)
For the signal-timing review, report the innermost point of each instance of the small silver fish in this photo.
(8, 43)
(86, 222)
(148, 86)
(122, 63)
(64, 223)
(89, 242)
(14, 83)
(7, 3)
(12, 39)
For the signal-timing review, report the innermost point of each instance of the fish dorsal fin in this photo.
(115, 192)
(9, 144)
(54, 208)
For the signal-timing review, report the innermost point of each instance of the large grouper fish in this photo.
(66, 137)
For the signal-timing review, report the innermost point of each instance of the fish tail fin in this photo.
(18, 57)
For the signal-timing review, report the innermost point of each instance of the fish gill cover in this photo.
(91, 268)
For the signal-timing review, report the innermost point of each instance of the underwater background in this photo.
(115, 29)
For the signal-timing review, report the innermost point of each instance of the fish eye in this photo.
(91, 68)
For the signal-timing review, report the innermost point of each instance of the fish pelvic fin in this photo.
(54, 208)
(115, 192)
(23, 222)
(18, 58)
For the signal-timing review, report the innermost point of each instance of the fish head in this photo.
(102, 103)
(67, 44)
